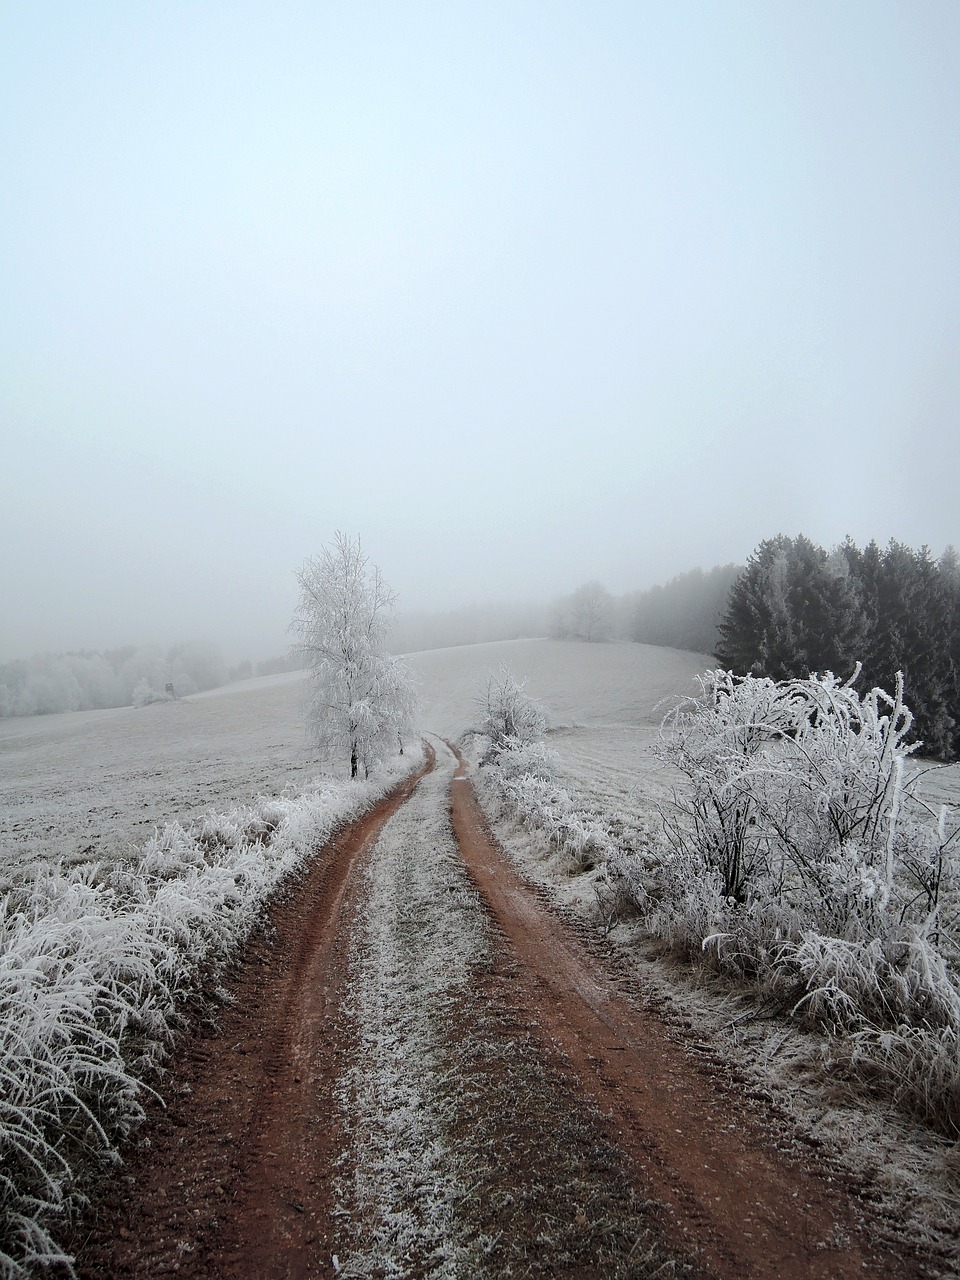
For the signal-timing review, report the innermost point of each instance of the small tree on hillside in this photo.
(509, 716)
(362, 700)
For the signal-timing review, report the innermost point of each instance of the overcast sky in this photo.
(523, 293)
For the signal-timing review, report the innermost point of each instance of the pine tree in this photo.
(797, 609)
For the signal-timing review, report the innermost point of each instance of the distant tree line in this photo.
(683, 614)
(798, 609)
(468, 624)
(268, 667)
(91, 680)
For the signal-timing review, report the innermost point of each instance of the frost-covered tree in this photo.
(362, 700)
(509, 716)
(794, 610)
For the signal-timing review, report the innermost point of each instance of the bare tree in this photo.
(586, 614)
(362, 699)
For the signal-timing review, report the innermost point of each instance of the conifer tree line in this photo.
(796, 609)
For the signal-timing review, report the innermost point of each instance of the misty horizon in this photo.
(523, 297)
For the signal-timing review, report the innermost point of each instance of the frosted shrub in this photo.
(510, 718)
(519, 759)
(801, 855)
(144, 694)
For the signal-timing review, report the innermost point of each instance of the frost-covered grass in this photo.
(799, 856)
(420, 933)
(96, 964)
(802, 858)
(913, 1170)
(113, 915)
(875, 1000)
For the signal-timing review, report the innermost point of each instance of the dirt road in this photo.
(423, 1072)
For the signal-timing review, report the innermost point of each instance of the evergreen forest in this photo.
(796, 609)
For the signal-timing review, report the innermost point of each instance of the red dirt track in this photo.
(234, 1178)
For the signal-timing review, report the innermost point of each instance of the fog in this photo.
(524, 294)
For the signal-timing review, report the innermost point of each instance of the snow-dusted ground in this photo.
(604, 704)
(587, 685)
(93, 785)
(607, 767)
(465, 1155)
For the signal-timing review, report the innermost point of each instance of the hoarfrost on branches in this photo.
(362, 700)
(801, 855)
(509, 717)
(96, 966)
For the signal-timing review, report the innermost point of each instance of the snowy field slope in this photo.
(580, 684)
(605, 704)
(95, 784)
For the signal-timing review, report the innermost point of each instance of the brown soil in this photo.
(234, 1177)
(745, 1207)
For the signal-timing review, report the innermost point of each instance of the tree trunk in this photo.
(353, 760)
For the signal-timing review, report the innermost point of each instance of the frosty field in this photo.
(97, 787)
(95, 784)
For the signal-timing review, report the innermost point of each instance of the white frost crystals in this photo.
(799, 857)
(802, 856)
(420, 932)
(362, 700)
(95, 963)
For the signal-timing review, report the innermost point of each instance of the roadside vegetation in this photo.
(97, 967)
(798, 856)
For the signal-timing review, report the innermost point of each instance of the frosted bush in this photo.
(523, 783)
(519, 759)
(144, 694)
(801, 856)
(510, 718)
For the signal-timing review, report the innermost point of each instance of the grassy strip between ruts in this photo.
(468, 1153)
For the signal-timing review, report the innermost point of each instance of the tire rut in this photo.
(232, 1178)
(745, 1208)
